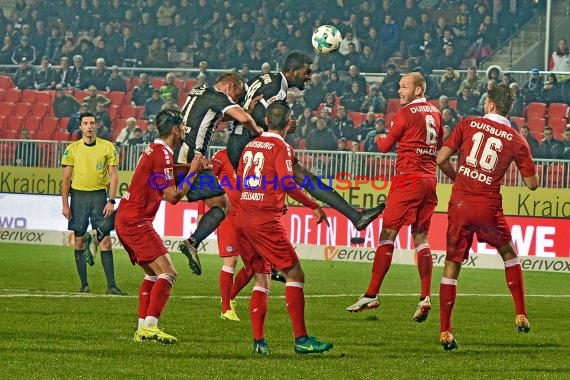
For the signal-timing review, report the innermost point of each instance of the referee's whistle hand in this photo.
(108, 210)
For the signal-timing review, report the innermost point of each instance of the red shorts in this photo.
(141, 241)
(227, 237)
(412, 204)
(467, 217)
(264, 244)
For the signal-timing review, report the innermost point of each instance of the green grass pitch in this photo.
(48, 331)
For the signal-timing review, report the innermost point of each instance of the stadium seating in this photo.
(22, 109)
(535, 110)
(14, 123)
(6, 82)
(126, 111)
(44, 135)
(50, 124)
(6, 108)
(558, 110)
(11, 95)
(520, 121)
(357, 117)
(28, 96)
(44, 97)
(558, 126)
(32, 123)
(40, 109)
(117, 97)
(536, 127)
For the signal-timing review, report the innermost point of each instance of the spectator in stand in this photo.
(334, 84)
(518, 103)
(342, 146)
(64, 105)
(169, 104)
(243, 71)
(373, 136)
(102, 131)
(390, 32)
(368, 61)
(200, 81)
(24, 50)
(391, 82)
(45, 76)
(351, 58)
(151, 132)
(169, 88)
(86, 51)
(562, 151)
(374, 101)
(27, 153)
(552, 90)
(508, 79)
(306, 123)
(343, 126)
(353, 100)
(449, 83)
(355, 76)
(64, 73)
(203, 69)
(465, 102)
(473, 82)
(532, 142)
(94, 98)
(369, 124)
(533, 87)
(444, 105)
(322, 138)
(142, 91)
(428, 60)
(24, 77)
(349, 38)
(6, 51)
(75, 121)
(100, 75)
(101, 51)
(136, 137)
(314, 92)
(448, 119)
(295, 105)
(450, 58)
(480, 106)
(410, 37)
(560, 60)
(446, 131)
(156, 55)
(103, 115)
(153, 105)
(80, 76)
(329, 104)
(432, 90)
(549, 145)
(128, 132)
(116, 81)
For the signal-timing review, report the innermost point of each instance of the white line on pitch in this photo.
(91, 295)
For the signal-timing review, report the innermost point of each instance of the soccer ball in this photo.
(326, 39)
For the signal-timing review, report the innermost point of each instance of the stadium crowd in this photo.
(68, 46)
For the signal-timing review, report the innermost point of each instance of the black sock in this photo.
(326, 194)
(81, 266)
(106, 226)
(109, 268)
(208, 224)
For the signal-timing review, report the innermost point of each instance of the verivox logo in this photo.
(356, 254)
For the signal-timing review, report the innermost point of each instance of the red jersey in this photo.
(266, 173)
(486, 147)
(226, 174)
(153, 174)
(418, 131)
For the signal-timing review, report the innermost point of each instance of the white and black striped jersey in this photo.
(272, 86)
(201, 111)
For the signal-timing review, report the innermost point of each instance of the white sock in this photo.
(150, 322)
(141, 323)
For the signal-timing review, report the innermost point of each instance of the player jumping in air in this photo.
(411, 200)
(486, 148)
(268, 88)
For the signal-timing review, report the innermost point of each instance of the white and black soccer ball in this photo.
(326, 39)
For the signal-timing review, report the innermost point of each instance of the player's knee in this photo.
(169, 276)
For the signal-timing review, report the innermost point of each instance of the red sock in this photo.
(159, 295)
(144, 294)
(425, 267)
(295, 299)
(226, 282)
(258, 311)
(447, 294)
(241, 279)
(381, 265)
(515, 282)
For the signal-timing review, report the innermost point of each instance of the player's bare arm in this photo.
(65, 187)
(173, 194)
(114, 182)
(245, 119)
(443, 162)
(531, 182)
